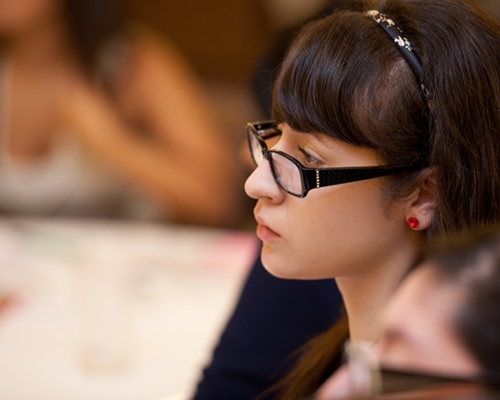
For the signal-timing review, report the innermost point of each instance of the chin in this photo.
(284, 267)
(275, 264)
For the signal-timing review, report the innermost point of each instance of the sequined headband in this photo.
(403, 45)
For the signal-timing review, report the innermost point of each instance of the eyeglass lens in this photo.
(255, 147)
(285, 172)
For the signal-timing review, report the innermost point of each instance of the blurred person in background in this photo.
(105, 119)
(442, 326)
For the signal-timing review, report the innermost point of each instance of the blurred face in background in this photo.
(418, 328)
(418, 335)
(18, 17)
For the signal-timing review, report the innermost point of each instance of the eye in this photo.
(310, 160)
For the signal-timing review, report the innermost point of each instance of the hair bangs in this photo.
(344, 82)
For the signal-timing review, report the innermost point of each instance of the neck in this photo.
(366, 295)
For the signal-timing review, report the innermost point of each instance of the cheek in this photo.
(333, 232)
(343, 229)
(300, 253)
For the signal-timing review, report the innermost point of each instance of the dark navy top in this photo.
(272, 318)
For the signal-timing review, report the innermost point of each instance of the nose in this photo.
(261, 184)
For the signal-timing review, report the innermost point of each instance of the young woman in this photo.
(441, 326)
(386, 132)
(93, 111)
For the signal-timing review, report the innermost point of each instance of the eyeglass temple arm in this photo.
(314, 178)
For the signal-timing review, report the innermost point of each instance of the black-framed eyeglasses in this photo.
(298, 180)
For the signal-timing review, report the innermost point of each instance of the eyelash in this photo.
(310, 160)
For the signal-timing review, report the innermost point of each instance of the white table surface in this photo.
(112, 310)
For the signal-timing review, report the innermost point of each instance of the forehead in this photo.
(328, 148)
(317, 137)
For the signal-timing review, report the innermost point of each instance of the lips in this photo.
(264, 232)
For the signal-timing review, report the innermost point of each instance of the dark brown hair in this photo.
(344, 77)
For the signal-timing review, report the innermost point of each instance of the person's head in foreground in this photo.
(442, 325)
(386, 132)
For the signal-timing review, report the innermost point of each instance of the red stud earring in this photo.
(413, 223)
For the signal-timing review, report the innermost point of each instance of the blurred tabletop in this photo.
(112, 309)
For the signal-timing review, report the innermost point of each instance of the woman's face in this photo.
(19, 16)
(334, 231)
(418, 332)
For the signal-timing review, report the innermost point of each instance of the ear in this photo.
(422, 202)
